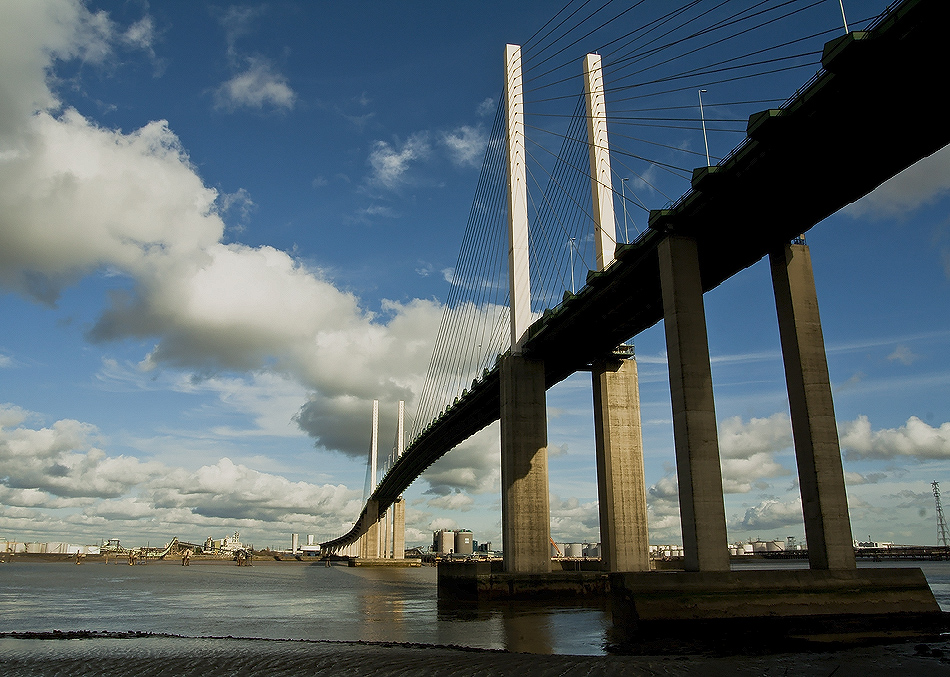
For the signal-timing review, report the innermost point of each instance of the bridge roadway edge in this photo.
(826, 144)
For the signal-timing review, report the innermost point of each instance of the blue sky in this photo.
(225, 230)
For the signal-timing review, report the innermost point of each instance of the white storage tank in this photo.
(747, 549)
(443, 541)
(574, 550)
(760, 546)
(463, 542)
(775, 546)
(592, 550)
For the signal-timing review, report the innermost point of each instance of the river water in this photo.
(302, 602)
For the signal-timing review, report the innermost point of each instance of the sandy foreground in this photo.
(169, 655)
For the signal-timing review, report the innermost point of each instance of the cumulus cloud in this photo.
(915, 439)
(63, 459)
(474, 466)
(454, 501)
(770, 515)
(62, 466)
(922, 183)
(573, 521)
(748, 451)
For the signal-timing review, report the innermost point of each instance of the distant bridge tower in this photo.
(941, 522)
(369, 548)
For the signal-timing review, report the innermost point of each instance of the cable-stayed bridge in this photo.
(867, 114)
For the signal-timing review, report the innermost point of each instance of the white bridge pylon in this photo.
(385, 537)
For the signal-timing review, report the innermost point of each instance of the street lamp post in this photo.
(572, 265)
(703, 118)
(623, 198)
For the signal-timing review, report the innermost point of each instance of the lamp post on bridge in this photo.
(623, 199)
(703, 118)
(572, 265)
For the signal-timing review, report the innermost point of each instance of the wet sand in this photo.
(143, 654)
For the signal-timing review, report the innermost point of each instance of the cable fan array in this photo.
(657, 62)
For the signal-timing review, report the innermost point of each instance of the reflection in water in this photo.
(527, 632)
(533, 627)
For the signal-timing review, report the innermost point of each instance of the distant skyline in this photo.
(225, 230)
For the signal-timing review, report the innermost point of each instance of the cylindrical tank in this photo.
(592, 550)
(36, 547)
(775, 546)
(747, 549)
(310, 538)
(759, 546)
(573, 550)
(294, 542)
(445, 542)
(463, 542)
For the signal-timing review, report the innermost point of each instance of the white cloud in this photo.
(770, 515)
(903, 354)
(914, 439)
(258, 86)
(454, 501)
(62, 466)
(466, 145)
(748, 450)
(391, 161)
(573, 521)
(486, 107)
(474, 466)
(920, 184)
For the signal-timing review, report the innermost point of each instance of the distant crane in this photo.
(941, 522)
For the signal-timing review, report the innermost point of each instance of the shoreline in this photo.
(134, 653)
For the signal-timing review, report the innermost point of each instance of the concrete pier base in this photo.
(384, 562)
(774, 610)
(686, 595)
(694, 595)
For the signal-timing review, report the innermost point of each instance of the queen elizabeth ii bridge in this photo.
(867, 114)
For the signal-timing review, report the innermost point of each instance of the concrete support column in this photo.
(370, 549)
(387, 534)
(525, 509)
(399, 529)
(702, 512)
(624, 540)
(820, 474)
